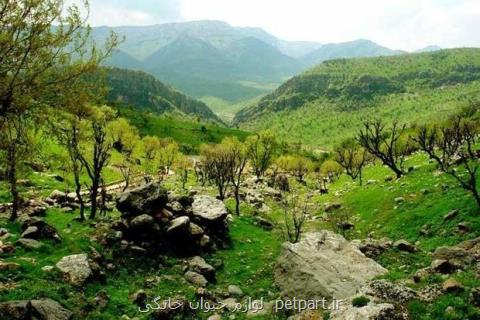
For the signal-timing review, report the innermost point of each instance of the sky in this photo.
(397, 24)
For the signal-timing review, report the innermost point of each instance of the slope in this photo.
(328, 102)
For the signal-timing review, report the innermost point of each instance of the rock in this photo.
(142, 222)
(399, 200)
(199, 265)
(15, 310)
(102, 299)
(3, 232)
(230, 304)
(209, 209)
(137, 250)
(9, 266)
(475, 297)
(196, 279)
(372, 311)
(323, 264)
(48, 268)
(463, 227)
(422, 274)
(75, 268)
(372, 248)
(58, 196)
(404, 245)
(44, 230)
(29, 244)
(388, 291)
(31, 233)
(452, 285)
(264, 223)
(205, 241)
(443, 266)
(235, 291)
(196, 231)
(451, 215)
(147, 199)
(281, 181)
(175, 308)
(215, 317)
(345, 225)
(329, 207)
(140, 297)
(454, 255)
(179, 227)
(48, 309)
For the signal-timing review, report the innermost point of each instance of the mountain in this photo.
(144, 92)
(352, 49)
(327, 103)
(213, 61)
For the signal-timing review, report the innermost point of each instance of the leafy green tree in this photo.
(237, 155)
(261, 149)
(352, 157)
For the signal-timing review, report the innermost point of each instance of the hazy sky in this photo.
(398, 24)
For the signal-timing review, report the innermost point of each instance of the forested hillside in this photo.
(145, 92)
(332, 98)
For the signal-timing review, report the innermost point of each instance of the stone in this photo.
(475, 297)
(463, 227)
(230, 304)
(455, 255)
(31, 233)
(451, 285)
(209, 209)
(330, 207)
(102, 299)
(179, 227)
(451, 215)
(388, 291)
(48, 309)
(48, 268)
(443, 266)
(404, 245)
(199, 265)
(205, 241)
(196, 231)
(234, 290)
(399, 200)
(196, 279)
(372, 248)
(422, 274)
(323, 264)
(141, 222)
(15, 310)
(58, 196)
(264, 223)
(75, 268)
(372, 311)
(140, 297)
(44, 230)
(147, 199)
(9, 266)
(281, 181)
(215, 317)
(29, 244)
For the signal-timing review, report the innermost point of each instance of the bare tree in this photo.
(453, 147)
(216, 162)
(237, 162)
(261, 148)
(384, 144)
(295, 212)
(353, 158)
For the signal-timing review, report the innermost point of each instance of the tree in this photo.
(297, 165)
(96, 153)
(453, 147)
(352, 157)
(150, 152)
(295, 211)
(168, 153)
(261, 149)
(237, 161)
(43, 50)
(388, 146)
(331, 170)
(126, 141)
(183, 165)
(216, 163)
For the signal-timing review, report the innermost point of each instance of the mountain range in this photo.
(208, 59)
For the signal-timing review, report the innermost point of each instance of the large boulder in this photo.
(323, 264)
(371, 311)
(209, 209)
(75, 268)
(36, 228)
(44, 309)
(147, 199)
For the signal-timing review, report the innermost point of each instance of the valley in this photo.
(199, 170)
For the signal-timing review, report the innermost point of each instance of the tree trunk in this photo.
(476, 196)
(237, 200)
(93, 198)
(78, 192)
(12, 179)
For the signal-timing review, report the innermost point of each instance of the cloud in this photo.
(406, 24)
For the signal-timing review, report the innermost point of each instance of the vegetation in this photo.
(329, 103)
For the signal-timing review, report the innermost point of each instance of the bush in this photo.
(361, 301)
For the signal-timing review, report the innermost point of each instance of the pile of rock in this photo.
(44, 309)
(153, 219)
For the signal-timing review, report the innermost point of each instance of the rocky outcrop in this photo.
(372, 311)
(75, 268)
(156, 220)
(44, 309)
(323, 264)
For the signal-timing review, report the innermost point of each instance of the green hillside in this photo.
(328, 102)
(145, 92)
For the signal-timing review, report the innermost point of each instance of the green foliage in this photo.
(328, 103)
(361, 301)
